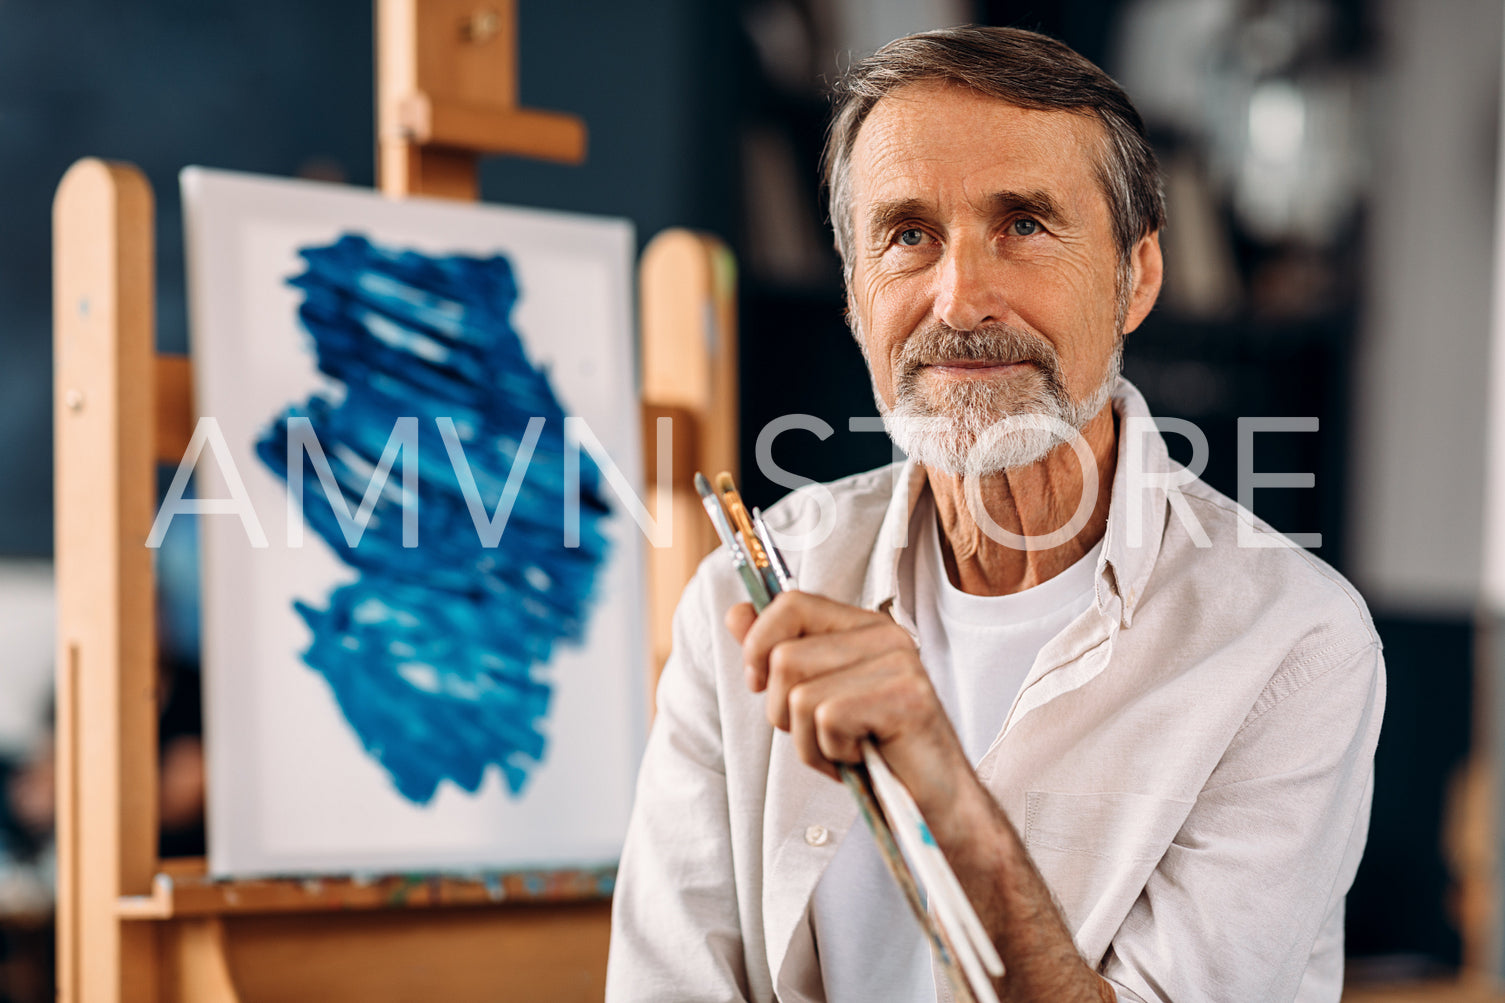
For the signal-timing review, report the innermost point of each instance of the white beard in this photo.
(976, 428)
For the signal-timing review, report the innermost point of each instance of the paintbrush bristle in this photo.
(703, 486)
(724, 482)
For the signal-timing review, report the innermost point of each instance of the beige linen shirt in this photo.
(1189, 762)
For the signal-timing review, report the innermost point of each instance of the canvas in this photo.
(423, 606)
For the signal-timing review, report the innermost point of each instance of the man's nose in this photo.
(970, 288)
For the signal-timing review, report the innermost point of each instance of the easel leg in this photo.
(107, 707)
(195, 967)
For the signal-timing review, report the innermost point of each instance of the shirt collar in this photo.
(1129, 552)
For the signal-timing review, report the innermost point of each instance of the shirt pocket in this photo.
(1096, 852)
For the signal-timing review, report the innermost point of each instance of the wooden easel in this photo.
(132, 927)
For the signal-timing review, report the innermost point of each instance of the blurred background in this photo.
(1331, 171)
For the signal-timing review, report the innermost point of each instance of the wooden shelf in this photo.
(183, 889)
(1467, 989)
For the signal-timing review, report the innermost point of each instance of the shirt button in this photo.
(817, 835)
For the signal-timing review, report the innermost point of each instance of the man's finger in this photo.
(805, 703)
(829, 715)
(739, 618)
(797, 614)
(793, 661)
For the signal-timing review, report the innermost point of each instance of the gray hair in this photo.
(1025, 69)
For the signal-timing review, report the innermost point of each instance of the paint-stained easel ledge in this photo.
(184, 889)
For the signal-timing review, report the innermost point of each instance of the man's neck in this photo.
(1033, 501)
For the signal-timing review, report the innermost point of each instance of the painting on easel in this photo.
(417, 463)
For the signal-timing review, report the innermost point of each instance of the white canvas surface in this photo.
(291, 790)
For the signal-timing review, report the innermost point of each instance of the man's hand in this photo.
(834, 674)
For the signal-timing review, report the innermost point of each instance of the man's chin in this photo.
(1016, 451)
(937, 445)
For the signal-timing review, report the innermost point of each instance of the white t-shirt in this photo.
(978, 651)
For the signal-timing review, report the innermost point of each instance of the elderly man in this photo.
(1140, 724)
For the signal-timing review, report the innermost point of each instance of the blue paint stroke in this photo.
(433, 653)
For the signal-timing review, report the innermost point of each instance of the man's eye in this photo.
(1024, 227)
(911, 237)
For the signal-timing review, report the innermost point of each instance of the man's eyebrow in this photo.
(1034, 202)
(883, 216)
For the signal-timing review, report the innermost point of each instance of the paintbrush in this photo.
(737, 512)
(752, 579)
(775, 558)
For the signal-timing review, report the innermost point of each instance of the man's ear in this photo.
(1148, 269)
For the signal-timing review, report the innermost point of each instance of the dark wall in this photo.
(1402, 901)
(655, 85)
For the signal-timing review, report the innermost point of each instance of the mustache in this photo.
(939, 343)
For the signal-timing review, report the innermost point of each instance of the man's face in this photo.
(985, 271)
